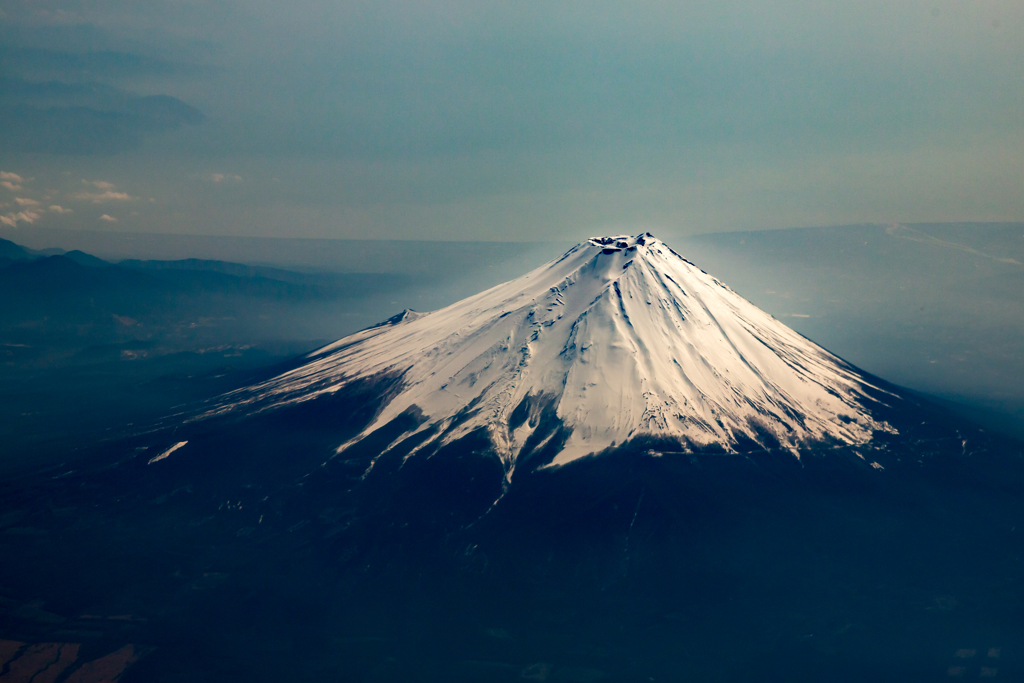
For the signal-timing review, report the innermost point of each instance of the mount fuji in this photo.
(613, 468)
(620, 343)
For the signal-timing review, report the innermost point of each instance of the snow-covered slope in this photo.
(620, 338)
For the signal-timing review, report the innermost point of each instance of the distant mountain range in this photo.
(49, 290)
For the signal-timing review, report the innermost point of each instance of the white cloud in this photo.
(13, 177)
(57, 208)
(108, 219)
(14, 187)
(12, 219)
(225, 177)
(25, 201)
(99, 184)
(106, 193)
(100, 197)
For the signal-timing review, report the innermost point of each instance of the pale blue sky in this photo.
(508, 120)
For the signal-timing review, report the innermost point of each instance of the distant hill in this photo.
(14, 252)
(76, 300)
(83, 259)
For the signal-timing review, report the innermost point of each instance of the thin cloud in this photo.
(57, 208)
(25, 201)
(12, 186)
(13, 177)
(12, 219)
(108, 219)
(36, 17)
(100, 197)
(225, 177)
(107, 193)
(99, 184)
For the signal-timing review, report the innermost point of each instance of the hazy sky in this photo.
(507, 120)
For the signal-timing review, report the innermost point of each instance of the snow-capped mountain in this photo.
(620, 341)
(462, 533)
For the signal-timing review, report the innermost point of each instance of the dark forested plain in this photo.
(250, 554)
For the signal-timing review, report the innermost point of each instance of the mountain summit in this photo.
(621, 341)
